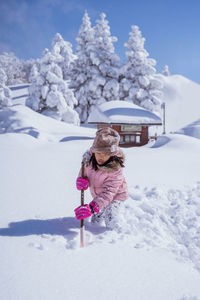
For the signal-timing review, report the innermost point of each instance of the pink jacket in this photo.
(106, 184)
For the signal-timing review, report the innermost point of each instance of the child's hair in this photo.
(107, 164)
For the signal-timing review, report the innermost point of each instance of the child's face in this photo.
(101, 158)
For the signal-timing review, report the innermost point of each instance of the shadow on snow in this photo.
(161, 141)
(76, 138)
(61, 226)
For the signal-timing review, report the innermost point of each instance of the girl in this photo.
(103, 174)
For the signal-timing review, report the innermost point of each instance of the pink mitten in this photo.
(86, 210)
(82, 183)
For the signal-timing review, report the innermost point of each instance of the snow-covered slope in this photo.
(155, 256)
(21, 119)
(19, 93)
(182, 97)
(192, 129)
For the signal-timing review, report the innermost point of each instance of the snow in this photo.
(19, 93)
(122, 112)
(182, 97)
(156, 253)
(192, 129)
(21, 119)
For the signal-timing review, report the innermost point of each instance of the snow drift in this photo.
(182, 97)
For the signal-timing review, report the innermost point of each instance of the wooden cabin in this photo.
(131, 121)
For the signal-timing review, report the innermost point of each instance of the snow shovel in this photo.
(82, 203)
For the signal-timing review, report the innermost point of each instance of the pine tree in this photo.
(49, 92)
(139, 83)
(108, 61)
(27, 66)
(64, 49)
(13, 68)
(5, 92)
(82, 69)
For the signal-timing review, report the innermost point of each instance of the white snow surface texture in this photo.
(155, 255)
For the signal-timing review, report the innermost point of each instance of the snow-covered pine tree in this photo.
(49, 93)
(139, 83)
(27, 66)
(64, 49)
(83, 70)
(5, 92)
(166, 71)
(13, 67)
(106, 59)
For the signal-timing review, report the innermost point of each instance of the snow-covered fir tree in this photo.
(166, 71)
(49, 93)
(139, 83)
(5, 92)
(82, 70)
(64, 49)
(13, 67)
(27, 66)
(95, 71)
(106, 59)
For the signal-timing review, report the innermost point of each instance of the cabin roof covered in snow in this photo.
(122, 112)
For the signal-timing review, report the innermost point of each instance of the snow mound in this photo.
(182, 98)
(192, 129)
(177, 141)
(156, 217)
(21, 119)
(19, 93)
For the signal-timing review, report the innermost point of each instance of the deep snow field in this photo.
(156, 254)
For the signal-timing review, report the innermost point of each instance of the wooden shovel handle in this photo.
(82, 203)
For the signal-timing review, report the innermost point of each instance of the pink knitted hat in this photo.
(106, 141)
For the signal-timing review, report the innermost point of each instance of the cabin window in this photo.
(137, 139)
(132, 138)
(127, 138)
(121, 139)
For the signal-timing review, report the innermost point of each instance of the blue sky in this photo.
(171, 28)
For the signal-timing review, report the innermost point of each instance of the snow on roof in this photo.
(122, 112)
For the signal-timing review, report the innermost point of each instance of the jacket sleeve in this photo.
(110, 188)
